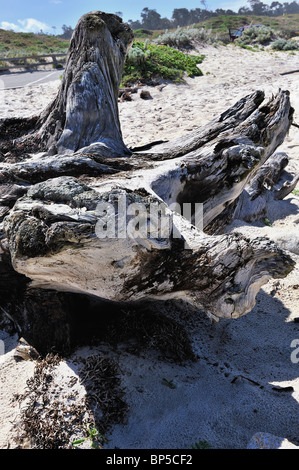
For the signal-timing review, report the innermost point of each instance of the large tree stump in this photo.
(85, 110)
(117, 233)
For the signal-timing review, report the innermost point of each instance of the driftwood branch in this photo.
(252, 203)
(287, 188)
(291, 71)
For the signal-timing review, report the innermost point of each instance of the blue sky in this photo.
(34, 15)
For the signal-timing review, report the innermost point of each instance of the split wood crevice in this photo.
(58, 168)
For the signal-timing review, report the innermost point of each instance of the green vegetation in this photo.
(146, 62)
(285, 45)
(263, 35)
(142, 33)
(23, 44)
(168, 383)
(267, 222)
(201, 445)
(216, 29)
(184, 38)
(249, 48)
(296, 192)
(93, 436)
(287, 25)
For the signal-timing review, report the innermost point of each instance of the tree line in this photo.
(152, 20)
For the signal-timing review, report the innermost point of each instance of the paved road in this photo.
(24, 79)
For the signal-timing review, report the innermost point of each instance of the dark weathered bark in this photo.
(12, 284)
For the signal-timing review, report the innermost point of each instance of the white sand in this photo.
(226, 396)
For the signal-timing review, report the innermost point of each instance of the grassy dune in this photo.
(22, 44)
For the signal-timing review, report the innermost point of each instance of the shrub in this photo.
(284, 45)
(146, 62)
(183, 38)
(261, 35)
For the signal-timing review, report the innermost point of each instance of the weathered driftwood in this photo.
(56, 225)
(260, 191)
(54, 219)
(271, 182)
(53, 240)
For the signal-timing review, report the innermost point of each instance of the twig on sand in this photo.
(291, 71)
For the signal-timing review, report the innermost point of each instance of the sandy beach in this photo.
(243, 380)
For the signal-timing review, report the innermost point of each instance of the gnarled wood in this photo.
(51, 213)
(53, 240)
(252, 203)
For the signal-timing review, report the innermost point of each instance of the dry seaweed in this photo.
(49, 421)
(105, 397)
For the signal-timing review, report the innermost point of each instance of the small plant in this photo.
(296, 192)
(137, 56)
(93, 436)
(267, 222)
(201, 445)
(168, 383)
